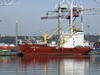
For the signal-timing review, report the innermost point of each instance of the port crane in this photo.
(69, 10)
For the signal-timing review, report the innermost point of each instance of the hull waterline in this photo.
(42, 50)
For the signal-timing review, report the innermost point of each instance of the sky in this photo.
(28, 13)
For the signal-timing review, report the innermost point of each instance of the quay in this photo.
(94, 53)
(6, 50)
(11, 54)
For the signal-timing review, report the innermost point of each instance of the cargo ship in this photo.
(69, 43)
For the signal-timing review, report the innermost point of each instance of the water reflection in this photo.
(50, 65)
(8, 65)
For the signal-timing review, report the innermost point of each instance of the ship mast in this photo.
(16, 31)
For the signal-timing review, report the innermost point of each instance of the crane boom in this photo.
(46, 37)
(91, 11)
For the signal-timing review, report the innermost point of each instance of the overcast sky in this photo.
(28, 13)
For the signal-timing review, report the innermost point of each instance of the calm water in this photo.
(50, 65)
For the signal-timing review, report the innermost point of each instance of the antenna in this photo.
(7, 2)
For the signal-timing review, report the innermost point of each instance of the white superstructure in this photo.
(77, 40)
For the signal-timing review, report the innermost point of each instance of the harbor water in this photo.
(50, 65)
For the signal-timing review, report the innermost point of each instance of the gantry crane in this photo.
(69, 11)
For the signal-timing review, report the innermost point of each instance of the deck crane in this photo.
(69, 10)
(46, 37)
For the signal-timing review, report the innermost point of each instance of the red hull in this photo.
(46, 50)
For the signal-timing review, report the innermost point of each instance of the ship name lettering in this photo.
(32, 47)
